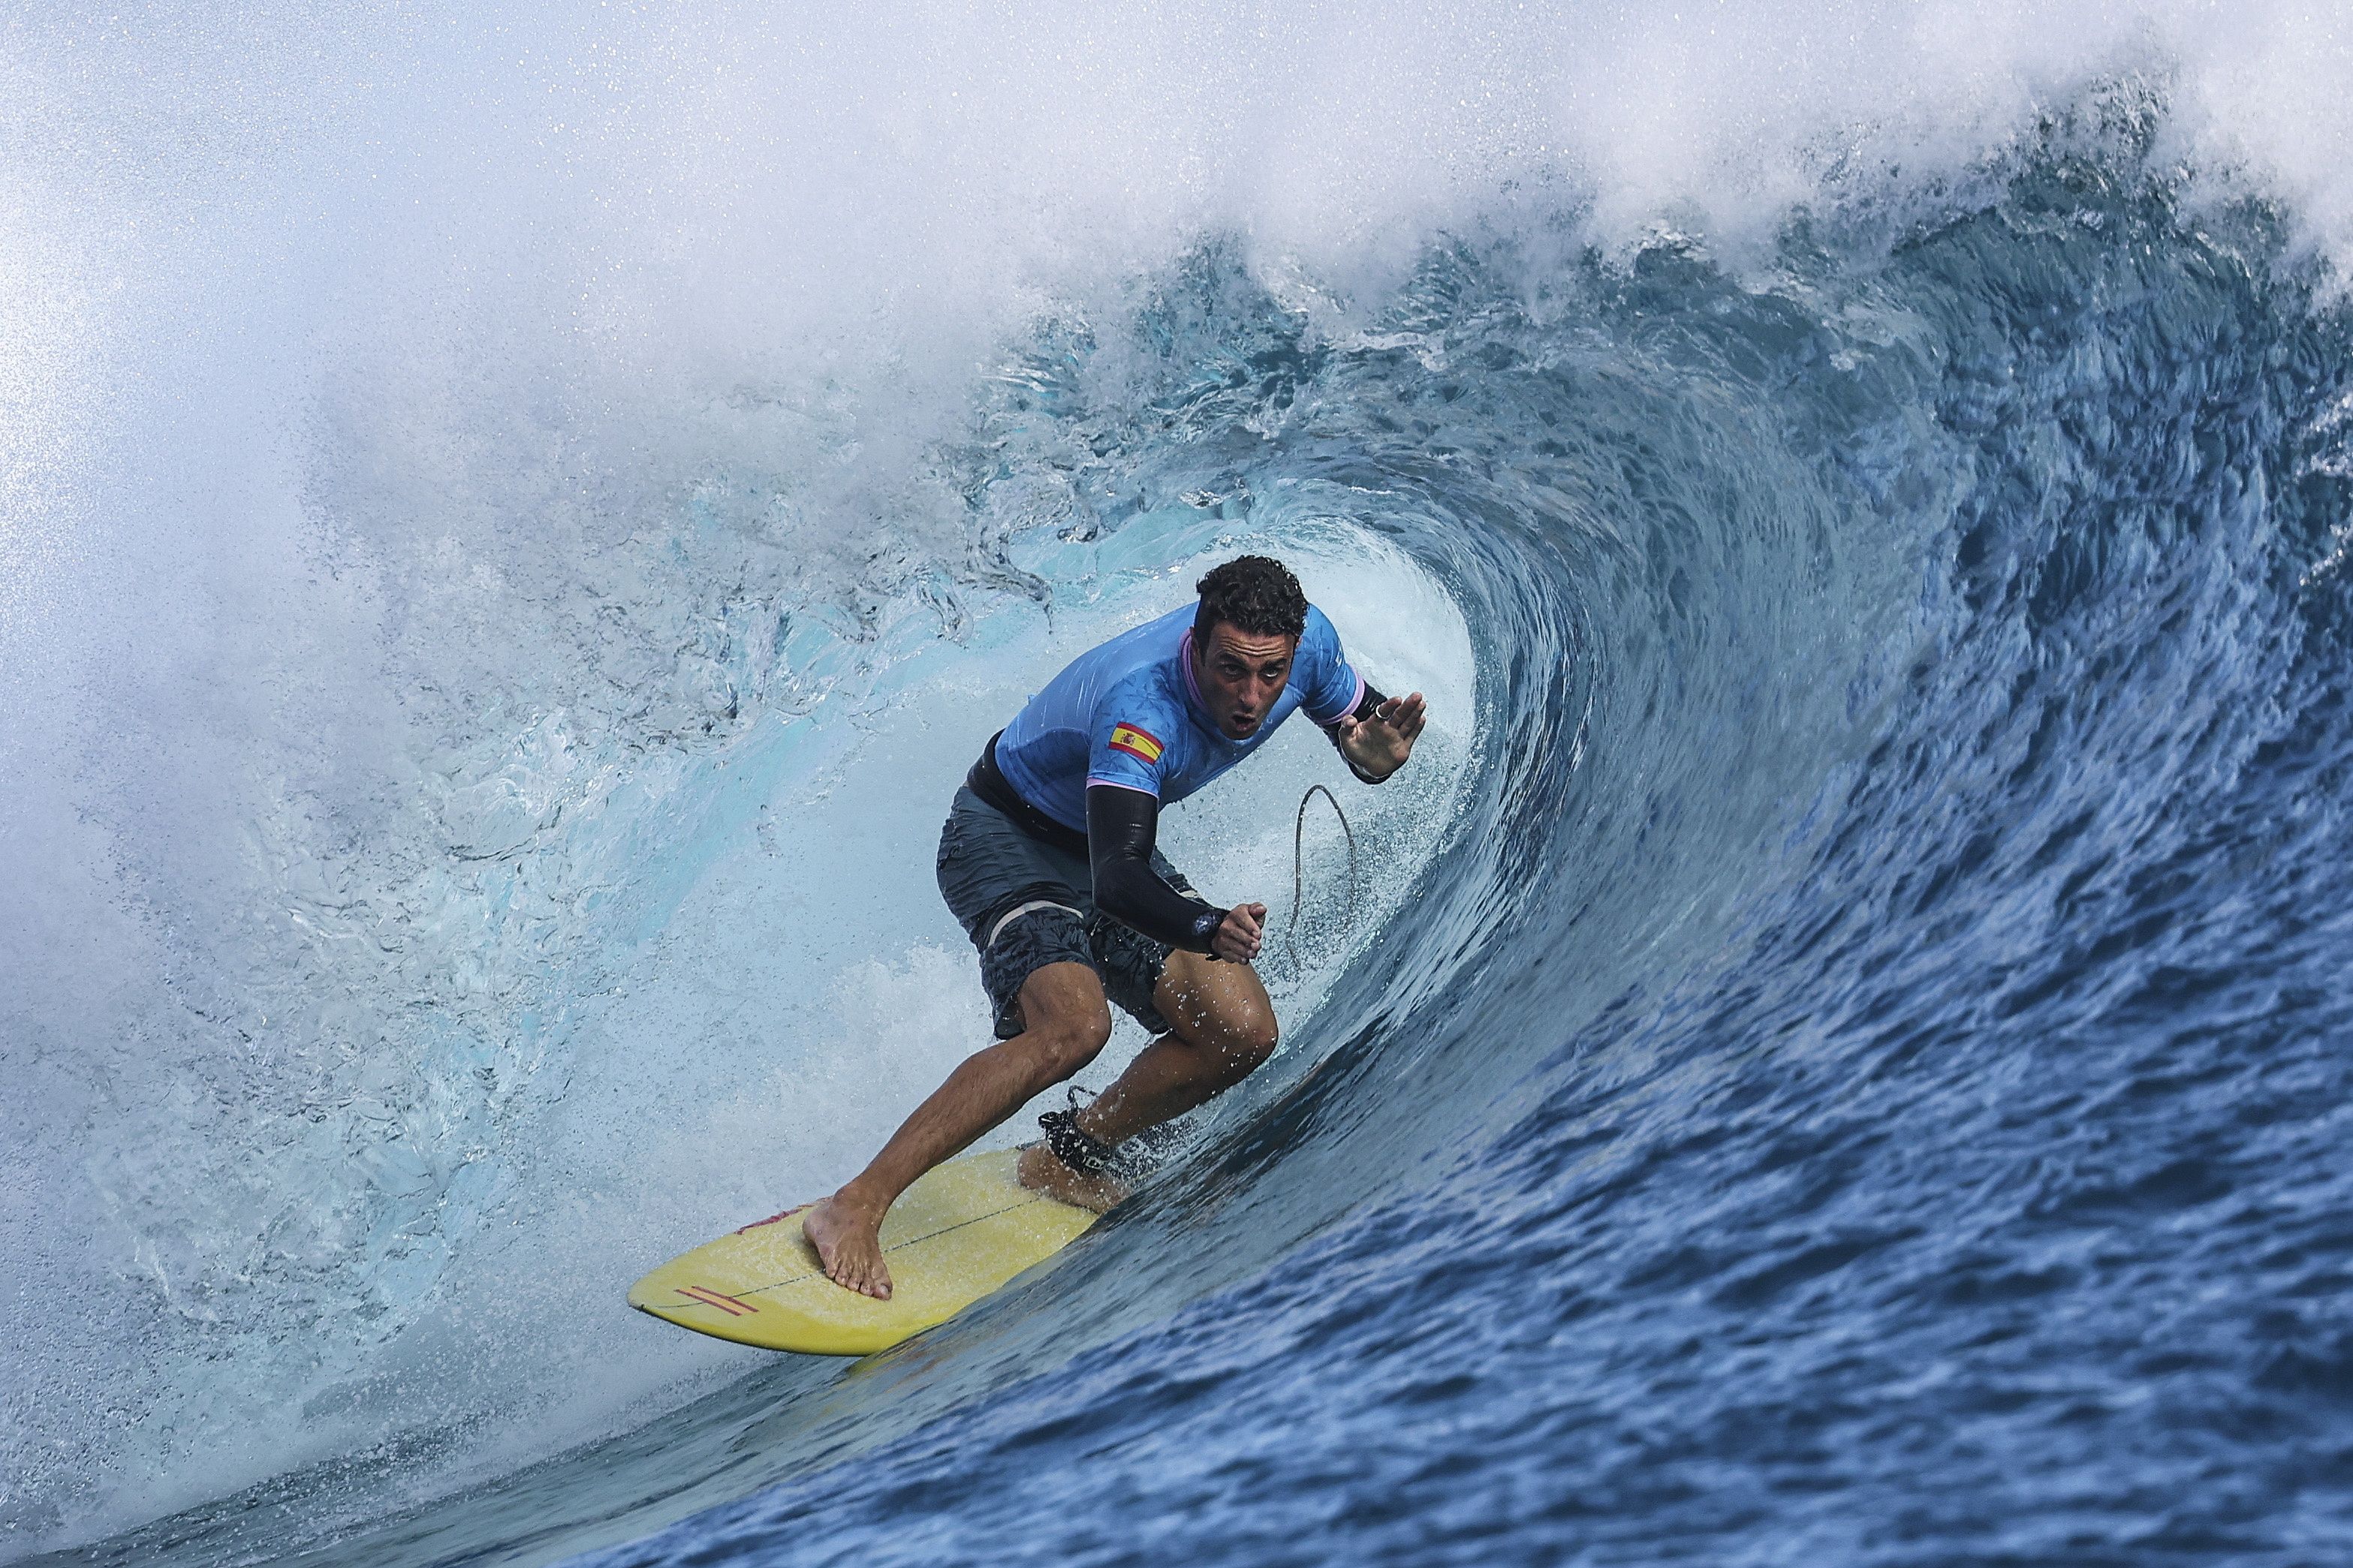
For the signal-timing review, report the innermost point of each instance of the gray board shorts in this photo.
(1026, 903)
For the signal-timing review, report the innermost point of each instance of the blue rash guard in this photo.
(1129, 715)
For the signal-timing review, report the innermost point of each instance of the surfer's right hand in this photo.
(1238, 937)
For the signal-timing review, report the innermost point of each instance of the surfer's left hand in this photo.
(1379, 743)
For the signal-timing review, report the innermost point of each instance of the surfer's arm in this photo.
(1377, 736)
(1121, 825)
(1335, 731)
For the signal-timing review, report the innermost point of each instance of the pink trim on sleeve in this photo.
(1351, 706)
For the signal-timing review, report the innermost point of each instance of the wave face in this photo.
(1862, 1072)
(1865, 1080)
(1839, 1053)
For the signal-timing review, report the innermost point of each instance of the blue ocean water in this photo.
(1853, 1070)
(1867, 1086)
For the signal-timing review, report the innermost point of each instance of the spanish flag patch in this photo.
(1135, 742)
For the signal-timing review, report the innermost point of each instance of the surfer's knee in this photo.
(1239, 1039)
(1250, 1038)
(1068, 1019)
(1067, 1042)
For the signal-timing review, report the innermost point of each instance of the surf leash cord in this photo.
(1299, 865)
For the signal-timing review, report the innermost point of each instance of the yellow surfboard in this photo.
(960, 1233)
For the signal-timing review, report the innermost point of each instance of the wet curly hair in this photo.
(1252, 593)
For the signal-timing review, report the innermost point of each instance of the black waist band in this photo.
(988, 781)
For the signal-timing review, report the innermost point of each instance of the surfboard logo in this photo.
(1135, 742)
(734, 1306)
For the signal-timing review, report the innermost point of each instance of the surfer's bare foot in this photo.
(850, 1244)
(1041, 1171)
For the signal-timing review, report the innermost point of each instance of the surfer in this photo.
(1048, 859)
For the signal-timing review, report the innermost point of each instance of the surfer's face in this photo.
(1241, 675)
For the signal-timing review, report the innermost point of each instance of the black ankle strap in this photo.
(1073, 1147)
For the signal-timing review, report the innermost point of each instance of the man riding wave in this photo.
(1047, 860)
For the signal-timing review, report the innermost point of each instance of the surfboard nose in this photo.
(962, 1232)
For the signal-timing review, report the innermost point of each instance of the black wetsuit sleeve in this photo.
(1121, 824)
(1370, 701)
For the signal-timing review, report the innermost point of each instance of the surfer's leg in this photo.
(1066, 1021)
(1222, 1026)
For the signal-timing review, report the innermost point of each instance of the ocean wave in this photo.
(1839, 1055)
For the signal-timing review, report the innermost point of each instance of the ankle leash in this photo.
(1073, 1147)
